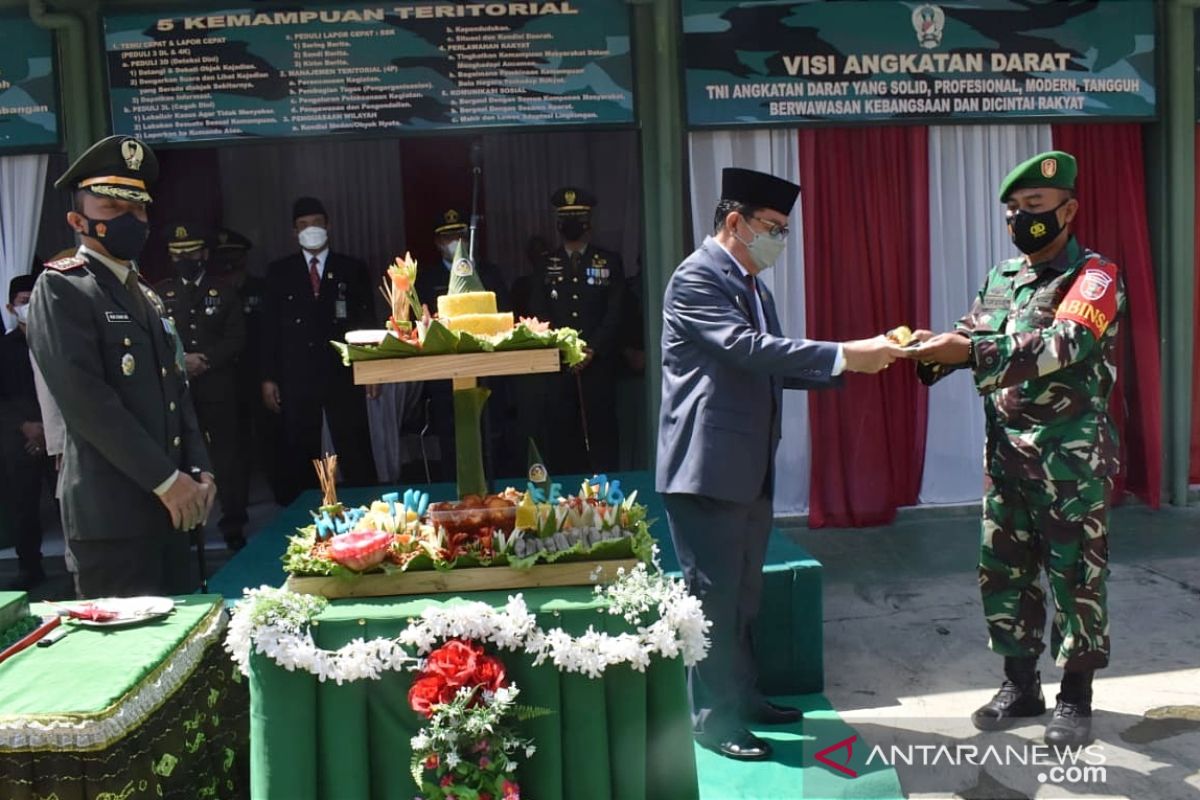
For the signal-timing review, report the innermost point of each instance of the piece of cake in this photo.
(467, 307)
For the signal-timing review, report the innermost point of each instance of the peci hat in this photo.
(753, 188)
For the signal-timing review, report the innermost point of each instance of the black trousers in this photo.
(159, 564)
(591, 394)
(24, 477)
(345, 409)
(219, 422)
(721, 548)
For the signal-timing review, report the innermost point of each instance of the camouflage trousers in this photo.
(1061, 526)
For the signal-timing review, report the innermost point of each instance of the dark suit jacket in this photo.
(110, 364)
(18, 394)
(209, 320)
(723, 381)
(297, 327)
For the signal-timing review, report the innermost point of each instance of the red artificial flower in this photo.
(511, 791)
(431, 761)
(427, 692)
(454, 662)
(490, 673)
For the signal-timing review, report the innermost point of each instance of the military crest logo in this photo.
(928, 21)
(1095, 284)
(180, 232)
(451, 217)
(463, 267)
(569, 196)
(1049, 168)
(128, 365)
(132, 152)
(537, 473)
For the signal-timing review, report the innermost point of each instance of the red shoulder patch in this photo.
(1092, 299)
(64, 264)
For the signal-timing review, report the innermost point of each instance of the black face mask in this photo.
(1032, 232)
(573, 228)
(189, 268)
(123, 237)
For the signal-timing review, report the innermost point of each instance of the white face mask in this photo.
(313, 237)
(764, 248)
(22, 313)
(449, 249)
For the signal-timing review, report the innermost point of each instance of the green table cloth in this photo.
(154, 710)
(625, 735)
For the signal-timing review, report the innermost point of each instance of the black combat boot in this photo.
(1072, 721)
(1020, 696)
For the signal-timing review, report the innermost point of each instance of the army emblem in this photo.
(1049, 168)
(101, 229)
(1037, 230)
(128, 365)
(537, 473)
(569, 196)
(1095, 284)
(928, 21)
(463, 268)
(180, 232)
(451, 217)
(131, 151)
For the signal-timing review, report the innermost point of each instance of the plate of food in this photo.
(111, 612)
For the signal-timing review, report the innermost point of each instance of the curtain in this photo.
(22, 183)
(1194, 471)
(967, 235)
(1112, 221)
(774, 152)
(522, 170)
(866, 253)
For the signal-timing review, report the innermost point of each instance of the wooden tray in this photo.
(463, 365)
(473, 579)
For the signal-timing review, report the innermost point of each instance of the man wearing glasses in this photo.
(725, 363)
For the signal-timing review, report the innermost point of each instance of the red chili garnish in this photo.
(92, 612)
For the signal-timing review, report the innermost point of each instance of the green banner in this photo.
(281, 71)
(28, 92)
(846, 61)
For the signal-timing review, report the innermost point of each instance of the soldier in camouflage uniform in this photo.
(1041, 341)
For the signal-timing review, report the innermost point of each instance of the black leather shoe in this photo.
(1071, 725)
(1011, 702)
(768, 713)
(740, 745)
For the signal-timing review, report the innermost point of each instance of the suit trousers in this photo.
(219, 422)
(158, 564)
(721, 547)
(22, 495)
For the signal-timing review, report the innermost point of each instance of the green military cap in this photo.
(118, 166)
(232, 240)
(450, 221)
(1053, 169)
(186, 237)
(572, 200)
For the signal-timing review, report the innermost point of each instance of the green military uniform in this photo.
(583, 290)
(1044, 340)
(109, 359)
(207, 313)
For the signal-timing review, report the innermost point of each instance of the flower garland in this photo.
(276, 623)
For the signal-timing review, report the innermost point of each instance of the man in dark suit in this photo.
(312, 298)
(725, 363)
(208, 316)
(109, 359)
(581, 286)
(23, 460)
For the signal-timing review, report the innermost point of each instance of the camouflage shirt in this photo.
(1045, 341)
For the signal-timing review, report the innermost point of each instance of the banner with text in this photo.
(315, 71)
(28, 92)
(846, 61)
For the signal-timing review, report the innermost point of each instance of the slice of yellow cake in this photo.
(480, 324)
(457, 305)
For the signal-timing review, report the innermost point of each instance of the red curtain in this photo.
(1194, 472)
(1112, 221)
(866, 249)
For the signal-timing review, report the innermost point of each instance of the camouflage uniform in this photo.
(1045, 345)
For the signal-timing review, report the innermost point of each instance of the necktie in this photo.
(314, 277)
(752, 288)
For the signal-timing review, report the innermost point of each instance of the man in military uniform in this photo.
(313, 297)
(208, 317)
(436, 404)
(108, 355)
(1041, 342)
(580, 286)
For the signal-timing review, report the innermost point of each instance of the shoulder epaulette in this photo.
(64, 264)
